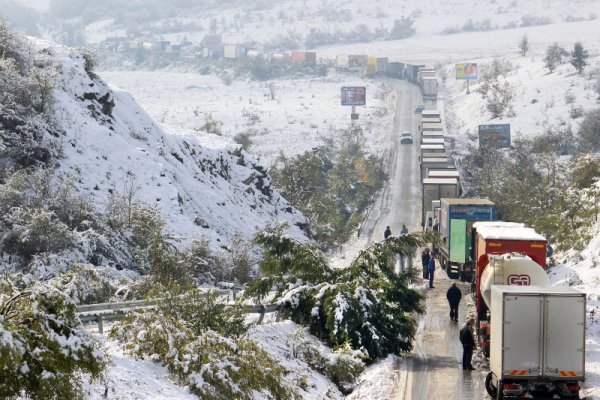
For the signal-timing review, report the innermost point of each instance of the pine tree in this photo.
(579, 57)
(524, 45)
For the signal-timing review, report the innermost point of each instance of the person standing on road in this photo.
(468, 342)
(425, 257)
(404, 230)
(387, 233)
(453, 295)
(431, 270)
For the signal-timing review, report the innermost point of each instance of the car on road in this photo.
(406, 137)
(419, 108)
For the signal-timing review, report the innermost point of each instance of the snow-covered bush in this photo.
(366, 306)
(342, 365)
(199, 341)
(43, 346)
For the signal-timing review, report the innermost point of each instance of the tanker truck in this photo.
(536, 332)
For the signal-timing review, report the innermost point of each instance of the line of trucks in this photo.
(532, 332)
(421, 75)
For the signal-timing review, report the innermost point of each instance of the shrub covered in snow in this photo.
(200, 342)
(367, 305)
(43, 346)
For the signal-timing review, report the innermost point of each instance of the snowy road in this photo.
(434, 367)
(399, 203)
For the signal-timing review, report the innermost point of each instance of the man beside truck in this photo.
(468, 342)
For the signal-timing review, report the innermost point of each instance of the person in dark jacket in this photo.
(387, 233)
(468, 342)
(431, 269)
(425, 257)
(454, 295)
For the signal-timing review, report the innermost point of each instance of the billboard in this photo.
(357, 61)
(497, 136)
(466, 71)
(354, 95)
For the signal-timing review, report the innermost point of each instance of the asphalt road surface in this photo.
(434, 370)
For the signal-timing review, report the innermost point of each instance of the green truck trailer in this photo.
(456, 220)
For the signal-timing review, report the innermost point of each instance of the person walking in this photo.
(404, 230)
(425, 257)
(454, 295)
(387, 233)
(431, 270)
(468, 342)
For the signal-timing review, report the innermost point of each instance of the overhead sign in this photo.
(354, 95)
(497, 136)
(466, 71)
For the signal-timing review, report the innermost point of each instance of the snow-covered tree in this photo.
(44, 349)
(554, 56)
(366, 305)
(579, 57)
(524, 45)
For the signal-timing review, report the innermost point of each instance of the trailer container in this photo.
(432, 140)
(537, 342)
(432, 148)
(457, 218)
(395, 70)
(432, 127)
(436, 189)
(429, 87)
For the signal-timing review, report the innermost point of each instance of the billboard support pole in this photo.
(468, 91)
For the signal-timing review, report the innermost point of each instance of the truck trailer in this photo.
(457, 218)
(435, 189)
(537, 342)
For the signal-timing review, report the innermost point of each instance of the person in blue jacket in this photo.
(431, 269)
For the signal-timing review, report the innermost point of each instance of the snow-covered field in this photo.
(304, 113)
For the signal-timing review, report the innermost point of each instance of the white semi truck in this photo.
(537, 332)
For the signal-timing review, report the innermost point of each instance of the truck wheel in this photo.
(489, 386)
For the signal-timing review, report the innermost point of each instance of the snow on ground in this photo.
(280, 340)
(240, 22)
(374, 382)
(579, 271)
(304, 113)
(132, 379)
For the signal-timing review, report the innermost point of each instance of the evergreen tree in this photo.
(524, 45)
(366, 305)
(579, 57)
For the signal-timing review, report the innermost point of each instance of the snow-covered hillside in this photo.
(203, 184)
(304, 113)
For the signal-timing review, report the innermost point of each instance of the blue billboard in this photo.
(497, 136)
(354, 95)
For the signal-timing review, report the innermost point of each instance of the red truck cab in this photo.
(500, 237)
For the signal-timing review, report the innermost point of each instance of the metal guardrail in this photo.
(105, 312)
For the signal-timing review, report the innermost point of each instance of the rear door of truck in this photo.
(522, 342)
(565, 336)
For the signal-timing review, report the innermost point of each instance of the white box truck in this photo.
(537, 342)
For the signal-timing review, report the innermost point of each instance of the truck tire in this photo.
(489, 386)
